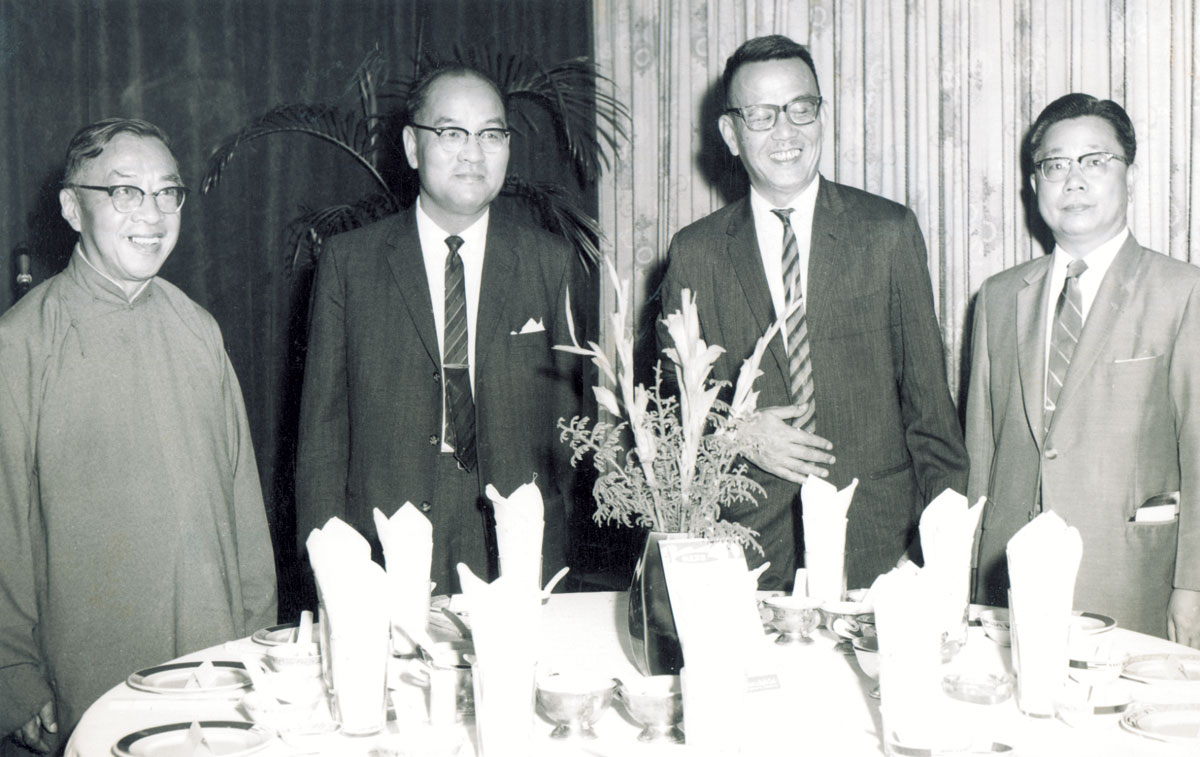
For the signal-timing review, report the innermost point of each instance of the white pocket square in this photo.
(531, 326)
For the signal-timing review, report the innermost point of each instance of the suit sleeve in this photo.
(23, 688)
(322, 456)
(932, 430)
(980, 437)
(1185, 394)
(256, 558)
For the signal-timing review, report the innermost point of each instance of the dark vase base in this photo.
(653, 638)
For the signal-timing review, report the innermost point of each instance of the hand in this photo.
(33, 735)
(781, 450)
(1183, 617)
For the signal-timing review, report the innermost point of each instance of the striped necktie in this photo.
(1068, 323)
(800, 383)
(460, 406)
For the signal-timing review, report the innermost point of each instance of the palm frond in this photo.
(592, 121)
(308, 232)
(578, 98)
(560, 214)
(348, 131)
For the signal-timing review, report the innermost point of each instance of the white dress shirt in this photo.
(770, 241)
(434, 251)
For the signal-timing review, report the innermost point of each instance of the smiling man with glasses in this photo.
(132, 527)
(1084, 395)
(430, 372)
(855, 385)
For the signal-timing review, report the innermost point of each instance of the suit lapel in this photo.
(746, 260)
(1031, 344)
(408, 271)
(497, 286)
(1102, 318)
(824, 254)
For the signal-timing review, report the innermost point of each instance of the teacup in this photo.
(842, 618)
(795, 618)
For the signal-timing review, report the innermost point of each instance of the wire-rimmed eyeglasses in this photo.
(800, 112)
(454, 138)
(126, 198)
(1091, 165)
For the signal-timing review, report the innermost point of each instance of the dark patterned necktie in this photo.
(460, 405)
(1068, 323)
(800, 382)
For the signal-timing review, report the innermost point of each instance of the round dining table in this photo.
(810, 699)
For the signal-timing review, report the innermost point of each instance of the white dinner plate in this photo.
(1090, 622)
(1174, 723)
(281, 634)
(177, 678)
(227, 738)
(1162, 668)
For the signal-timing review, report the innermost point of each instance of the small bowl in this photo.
(263, 708)
(656, 702)
(574, 702)
(795, 618)
(1079, 705)
(996, 626)
(1093, 668)
(300, 659)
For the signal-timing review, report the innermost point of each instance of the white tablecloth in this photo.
(821, 708)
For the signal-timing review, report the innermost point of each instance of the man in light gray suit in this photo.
(1085, 387)
(856, 388)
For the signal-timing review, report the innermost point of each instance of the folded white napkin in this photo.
(506, 626)
(519, 526)
(407, 539)
(354, 622)
(824, 514)
(1043, 560)
(947, 538)
(910, 660)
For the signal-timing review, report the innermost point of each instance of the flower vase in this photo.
(652, 635)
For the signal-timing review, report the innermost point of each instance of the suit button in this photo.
(437, 378)
(426, 507)
(433, 440)
(1051, 454)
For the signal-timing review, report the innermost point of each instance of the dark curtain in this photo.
(201, 69)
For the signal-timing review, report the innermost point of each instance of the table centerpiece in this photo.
(684, 464)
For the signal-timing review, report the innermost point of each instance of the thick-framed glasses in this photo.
(1093, 165)
(800, 112)
(126, 198)
(454, 138)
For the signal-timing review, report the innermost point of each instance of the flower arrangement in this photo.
(683, 466)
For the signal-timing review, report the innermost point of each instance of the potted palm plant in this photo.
(587, 122)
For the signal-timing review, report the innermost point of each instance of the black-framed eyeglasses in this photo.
(1093, 165)
(126, 198)
(800, 112)
(454, 138)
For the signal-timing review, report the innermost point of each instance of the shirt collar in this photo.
(474, 236)
(1098, 260)
(802, 204)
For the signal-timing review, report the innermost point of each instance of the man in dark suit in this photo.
(430, 372)
(856, 388)
(1085, 386)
